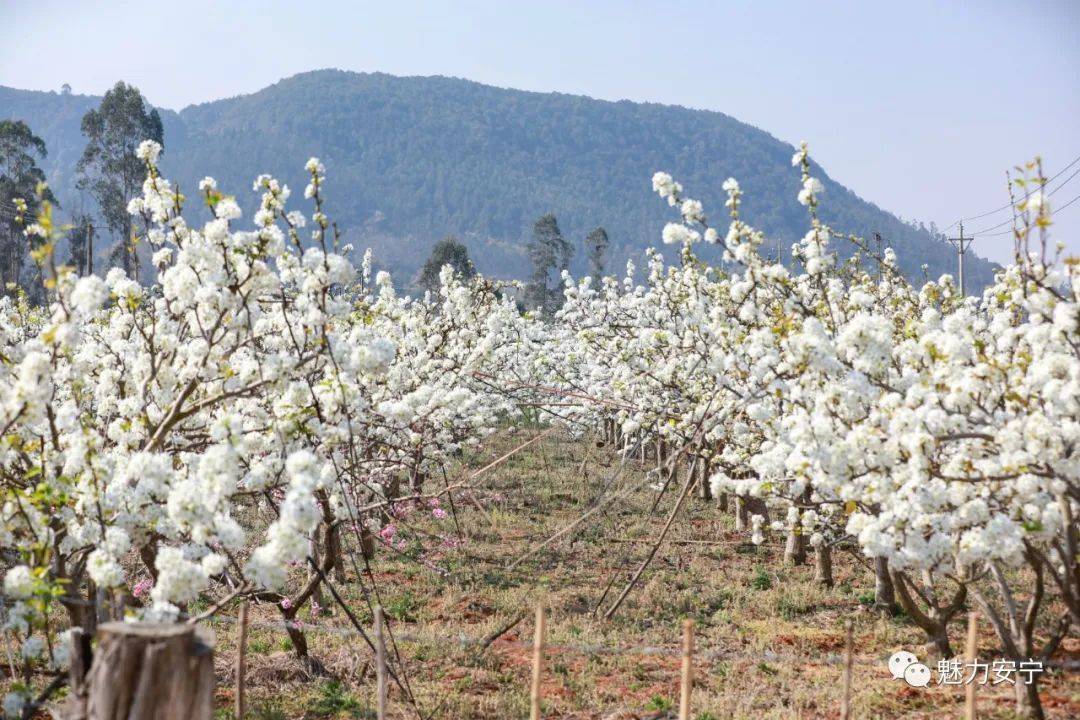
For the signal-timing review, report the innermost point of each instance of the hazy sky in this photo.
(918, 106)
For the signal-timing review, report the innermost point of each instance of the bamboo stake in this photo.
(849, 658)
(380, 664)
(687, 683)
(537, 668)
(971, 653)
(241, 660)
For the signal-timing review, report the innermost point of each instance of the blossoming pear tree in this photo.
(258, 416)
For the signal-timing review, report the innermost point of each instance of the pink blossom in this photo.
(142, 588)
(388, 531)
(439, 513)
(286, 603)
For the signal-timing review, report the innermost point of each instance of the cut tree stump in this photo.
(147, 671)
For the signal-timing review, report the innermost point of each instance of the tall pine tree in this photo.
(109, 169)
(448, 251)
(548, 251)
(596, 245)
(20, 175)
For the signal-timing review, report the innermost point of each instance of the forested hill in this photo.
(410, 160)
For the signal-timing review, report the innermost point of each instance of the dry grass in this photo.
(781, 635)
(784, 633)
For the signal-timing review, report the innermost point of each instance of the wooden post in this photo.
(849, 658)
(687, 681)
(241, 660)
(147, 671)
(380, 664)
(971, 654)
(537, 665)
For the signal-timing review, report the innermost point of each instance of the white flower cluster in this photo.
(939, 434)
(262, 376)
(255, 377)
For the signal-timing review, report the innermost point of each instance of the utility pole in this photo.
(90, 249)
(961, 244)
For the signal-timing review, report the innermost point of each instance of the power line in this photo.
(1054, 212)
(1048, 194)
(1008, 205)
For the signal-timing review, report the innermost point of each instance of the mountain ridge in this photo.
(411, 159)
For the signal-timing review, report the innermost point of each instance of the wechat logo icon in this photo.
(906, 666)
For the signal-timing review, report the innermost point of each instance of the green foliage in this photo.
(596, 245)
(548, 251)
(259, 647)
(268, 710)
(334, 699)
(403, 607)
(790, 608)
(20, 152)
(448, 251)
(761, 579)
(659, 703)
(108, 168)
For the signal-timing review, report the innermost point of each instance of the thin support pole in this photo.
(849, 659)
(971, 653)
(537, 664)
(241, 660)
(380, 664)
(687, 680)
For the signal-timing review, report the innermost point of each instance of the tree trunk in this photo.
(742, 517)
(757, 506)
(1028, 704)
(367, 542)
(317, 594)
(940, 641)
(144, 671)
(935, 620)
(674, 465)
(336, 554)
(884, 594)
(148, 555)
(823, 565)
(704, 488)
(795, 549)
(296, 635)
